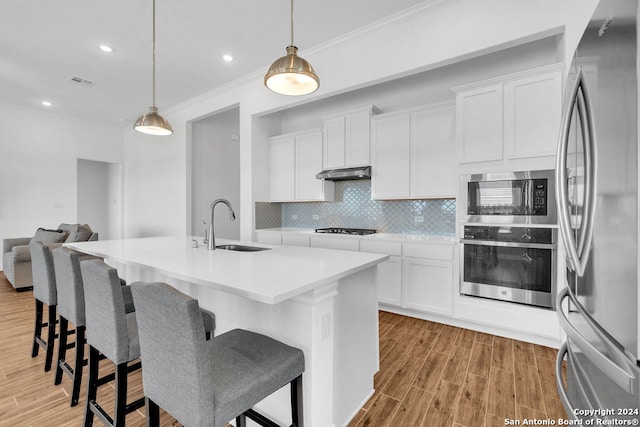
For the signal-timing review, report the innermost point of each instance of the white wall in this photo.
(39, 152)
(427, 38)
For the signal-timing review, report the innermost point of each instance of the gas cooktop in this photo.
(340, 230)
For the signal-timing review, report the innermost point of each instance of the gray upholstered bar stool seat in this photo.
(208, 383)
(112, 332)
(45, 293)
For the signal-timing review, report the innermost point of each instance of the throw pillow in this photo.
(82, 234)
(48, 236)
(68, 229)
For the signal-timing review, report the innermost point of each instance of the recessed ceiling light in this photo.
(227, 58)
(47, 103)
(105, 48)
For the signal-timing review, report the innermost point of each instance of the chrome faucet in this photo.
(212, 238)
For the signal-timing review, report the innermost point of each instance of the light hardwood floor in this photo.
(431, 375)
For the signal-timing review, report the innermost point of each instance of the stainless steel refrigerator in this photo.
(597, 196)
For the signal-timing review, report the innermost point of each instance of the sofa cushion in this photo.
(81, 234)
(48, 236)
(68, 229)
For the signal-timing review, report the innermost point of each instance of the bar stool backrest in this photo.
(69, 284)
(108, 326)
(44, 280)
(176, 365)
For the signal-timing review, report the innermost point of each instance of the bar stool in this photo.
(208, 383)
(71, 309)
(44, 292)
(112, 332)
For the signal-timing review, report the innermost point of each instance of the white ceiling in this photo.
(44, 43)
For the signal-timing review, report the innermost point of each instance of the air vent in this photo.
(82, 82)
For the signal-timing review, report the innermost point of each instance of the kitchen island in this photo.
(322, 301)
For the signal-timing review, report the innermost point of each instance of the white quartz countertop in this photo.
(270, 276)
(376, 236)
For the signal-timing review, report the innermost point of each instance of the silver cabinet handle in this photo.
(619, 376)
(577, 254)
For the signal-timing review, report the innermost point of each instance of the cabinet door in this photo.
(281, 169)
(427, 285)
(433, 153)
(358, 138)
(532, 113)
(390, 281)
(308, 162)
(333, 153)
(391, 157)
(269, 238)
(479, 124)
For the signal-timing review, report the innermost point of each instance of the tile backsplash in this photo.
(354, 208)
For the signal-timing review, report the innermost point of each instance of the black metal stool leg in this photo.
(62, 349)
(77, 370)
(121, 395)
(37, 328)
(92, 386)
(153, 413)
(51, 338)
(241, 421)
(296, 402)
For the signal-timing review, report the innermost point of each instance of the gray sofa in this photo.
(16, 258)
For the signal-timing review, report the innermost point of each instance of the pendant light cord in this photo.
(291, 23)
(153, 61)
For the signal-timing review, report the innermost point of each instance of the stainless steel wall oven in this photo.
(508, 263)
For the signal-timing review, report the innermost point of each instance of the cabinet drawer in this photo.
(295, 240)
(334, 243)
(387, 248)
(430, 251)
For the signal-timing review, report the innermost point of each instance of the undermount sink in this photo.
(241, 248)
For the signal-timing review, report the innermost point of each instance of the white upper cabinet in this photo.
(510, 117)
(391, 146)
(479, 124)
(414, 154)
(282, 168)
(433, 153)
(533, 111)
(295, 159)
(347, 138)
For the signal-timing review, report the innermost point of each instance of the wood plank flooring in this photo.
(431, 375)
(439, 375)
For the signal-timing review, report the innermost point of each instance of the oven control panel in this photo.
(509, 234)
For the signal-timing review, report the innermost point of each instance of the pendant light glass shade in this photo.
(291, 74)
(153, 123)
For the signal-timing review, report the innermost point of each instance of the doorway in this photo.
(99, 192)
(215, 172)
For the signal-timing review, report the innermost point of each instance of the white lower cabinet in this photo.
(295, 240)
(427, 285)
(390, 281)
(268, 238)
(344, 244)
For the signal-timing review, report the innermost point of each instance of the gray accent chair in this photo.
(208, 383)
(45, 293)
(112, 332)
(16, 257)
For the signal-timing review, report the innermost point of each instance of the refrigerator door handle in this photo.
(577, 252)
(562, 392)
(623, 379)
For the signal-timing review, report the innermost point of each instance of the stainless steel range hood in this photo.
(344, 174)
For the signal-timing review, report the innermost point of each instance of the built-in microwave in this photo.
(526, 197)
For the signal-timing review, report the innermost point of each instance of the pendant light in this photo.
(291, 74)
(153, 123)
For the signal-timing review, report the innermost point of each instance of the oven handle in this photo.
(509, 244)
